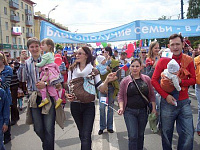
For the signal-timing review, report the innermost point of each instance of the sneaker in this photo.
(100, 132)
(44, 102)
(58, 103)
(110, 130)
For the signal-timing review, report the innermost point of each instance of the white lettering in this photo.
(128, 32)
(78, 37)
(168, 28)
(187, 28)
(64, 36)
(57, 32)
(107, 36)
(93, 38)
(145, 29)
(49, 31)
(137, 30)
(101, 37)
(198, 28)
(161, 29)
(155, 29)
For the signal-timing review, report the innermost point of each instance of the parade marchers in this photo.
(131, 94)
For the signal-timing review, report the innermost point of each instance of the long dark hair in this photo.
(89, 58)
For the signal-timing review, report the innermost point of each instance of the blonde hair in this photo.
(150, 52)
(3, 58)
(49, 42)
(140, 54)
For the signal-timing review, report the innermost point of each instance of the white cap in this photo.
(173, 66)
(100, 58)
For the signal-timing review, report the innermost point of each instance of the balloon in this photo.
(98, 43)
(131, 47)
(58, 60)
(129, 53)
(104, 44)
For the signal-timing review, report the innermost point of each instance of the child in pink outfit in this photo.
(49, 73)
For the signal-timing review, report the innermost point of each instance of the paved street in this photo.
(24, 138)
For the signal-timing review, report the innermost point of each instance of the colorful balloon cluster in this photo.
(104, 44)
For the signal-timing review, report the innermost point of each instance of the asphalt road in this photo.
(24, 138)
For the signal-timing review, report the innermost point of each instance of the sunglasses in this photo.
(144, 52)
(79, 53)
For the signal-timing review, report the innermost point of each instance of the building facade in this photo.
(16, 25)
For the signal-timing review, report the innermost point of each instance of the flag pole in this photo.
(109, 106)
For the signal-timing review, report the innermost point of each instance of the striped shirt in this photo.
(29, 73)
(14, 79)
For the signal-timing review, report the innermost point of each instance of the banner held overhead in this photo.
(140, 29)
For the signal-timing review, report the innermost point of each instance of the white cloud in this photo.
(97, 15)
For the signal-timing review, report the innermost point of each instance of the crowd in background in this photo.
(20, 77)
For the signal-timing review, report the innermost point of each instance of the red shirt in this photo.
(161, 65)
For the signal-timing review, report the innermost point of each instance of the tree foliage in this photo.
(194, 12)
(58, 46)
(193, 9)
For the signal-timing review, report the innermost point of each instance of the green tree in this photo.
(193, 9)
(193, 12)
(58, 46)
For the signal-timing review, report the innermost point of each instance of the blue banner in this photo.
(141, 29)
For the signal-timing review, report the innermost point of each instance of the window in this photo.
(19, 41)
(26, 6)
(22, 17)
(18, 14)
(22, 6)
(27, 30)
(6, 25)
(7, 39)
(23, 29)
(14, 40)
(5, 10)
(30, 8)
(31, 31)
(12, 12)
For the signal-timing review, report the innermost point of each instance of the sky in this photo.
(86, 16)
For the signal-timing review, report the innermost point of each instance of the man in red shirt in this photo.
(181, 113)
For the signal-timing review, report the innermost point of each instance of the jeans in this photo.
(44, 125)
(136, 121)
(175, 94)
(109, 123)
(2, 147)
(14, 109)
(83, 114)
(197, 91)
(182, 114)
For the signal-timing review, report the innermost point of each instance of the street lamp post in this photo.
(51, 11)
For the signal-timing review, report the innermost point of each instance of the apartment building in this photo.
(16, 14)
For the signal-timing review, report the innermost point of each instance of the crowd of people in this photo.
(153, 85)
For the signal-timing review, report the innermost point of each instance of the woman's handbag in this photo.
(83, 88)
(146, 101)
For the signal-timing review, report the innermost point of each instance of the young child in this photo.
(49, 72)
(102, 65)
(61, 94)
(171, 74)
(4, 115)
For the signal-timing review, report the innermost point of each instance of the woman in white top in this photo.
(84, 113)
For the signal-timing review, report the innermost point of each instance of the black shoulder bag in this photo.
(146, 101)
